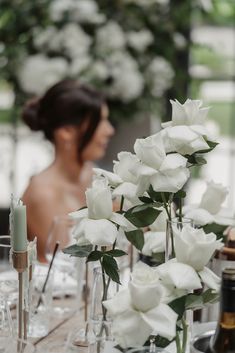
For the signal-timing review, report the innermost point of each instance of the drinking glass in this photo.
(41, 302)
(68, 271)
(8, 289)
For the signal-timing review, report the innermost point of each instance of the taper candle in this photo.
(19, 233)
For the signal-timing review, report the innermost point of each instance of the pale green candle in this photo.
(19, 236)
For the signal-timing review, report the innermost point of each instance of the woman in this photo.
(74, 118)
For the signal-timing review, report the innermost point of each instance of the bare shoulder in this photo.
(39, 190)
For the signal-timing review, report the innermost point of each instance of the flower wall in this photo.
(133, 50)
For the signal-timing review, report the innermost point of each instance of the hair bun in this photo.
(30, 114)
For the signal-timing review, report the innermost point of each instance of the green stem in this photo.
(104, 296)
(165, 205)
(106, 286)
(177, 341)
(185, 335)
(180, 210)
(169, 225)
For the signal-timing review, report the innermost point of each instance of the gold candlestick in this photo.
(20, 263)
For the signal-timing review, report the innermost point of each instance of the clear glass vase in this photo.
(173, 225)
(100, 323)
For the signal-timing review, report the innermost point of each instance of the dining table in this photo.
(57, 339)
(60, 328)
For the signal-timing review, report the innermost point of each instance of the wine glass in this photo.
(68, 272)
(8, 289)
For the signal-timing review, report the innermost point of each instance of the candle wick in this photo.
(48, 273)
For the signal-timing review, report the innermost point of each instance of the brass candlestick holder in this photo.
(20, 263)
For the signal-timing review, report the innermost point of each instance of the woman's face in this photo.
(96, 148)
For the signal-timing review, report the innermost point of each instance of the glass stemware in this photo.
(68, 272)
(8, 289)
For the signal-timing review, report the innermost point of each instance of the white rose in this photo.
(186, 133)
(183, 139)
(213, 197)
(154, 242)
(194, 247)
(134, 316)
(95, 224)
(123, 181)
(210, 208)
(166, 173)
(178, 275)
(190, 113)
(145, 284)
(123, 165)
(99, 200)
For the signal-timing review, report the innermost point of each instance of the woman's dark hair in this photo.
(65, 103)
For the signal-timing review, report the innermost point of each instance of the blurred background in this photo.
(140, 52)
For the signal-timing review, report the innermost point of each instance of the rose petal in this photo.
(122, 167)
(130, 330)
(83, 213)
(113, 179)
(179, 275)
(122, 221)
(154, 242)
(172, 162)
(145, 297)
(126, 189)
(199, 216)
(162, 320)
(100, 232)
(210, 279)
(119, 303)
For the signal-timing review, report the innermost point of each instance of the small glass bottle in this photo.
(223, 340)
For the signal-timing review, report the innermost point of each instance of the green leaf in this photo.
(95, 256)
(200, 160)
(211, 145)
(110, 267)
(78, 251)
(178, 305)
(196, 159)
(160, 341)
(218, 229)
(194, 301)
(116, 253)
(210, 297)
(136, 238)
(157, 196)
(181, 194)
(145, 199)
(159, 257)
(142, 216)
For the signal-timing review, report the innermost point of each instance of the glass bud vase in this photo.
(100, 323)
(173, 225)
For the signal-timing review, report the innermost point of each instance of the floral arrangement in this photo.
(148, 183)
(85, 40)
